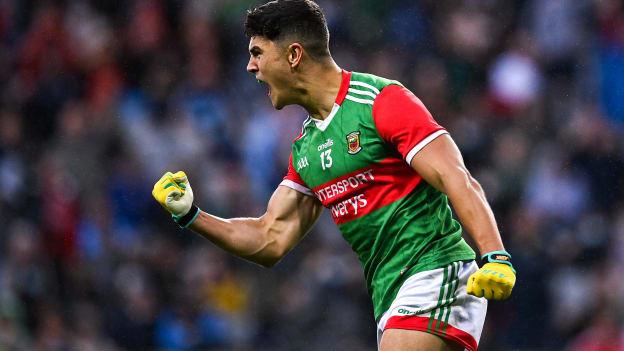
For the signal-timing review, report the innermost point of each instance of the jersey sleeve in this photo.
(294, 181)
(403, 121)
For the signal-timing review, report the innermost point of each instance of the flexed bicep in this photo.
(289, 217)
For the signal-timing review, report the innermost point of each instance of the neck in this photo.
(319, 87)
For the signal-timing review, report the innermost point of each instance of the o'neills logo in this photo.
(325, 145)
(353, 143)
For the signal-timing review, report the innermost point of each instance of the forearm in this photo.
(264, 240)
(473, 211)
(248, 238)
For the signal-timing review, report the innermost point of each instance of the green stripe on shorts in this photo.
(440, 297)
(451, 296)
(446, 298)
(444, 304)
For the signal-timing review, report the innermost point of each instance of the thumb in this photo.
(174, 195)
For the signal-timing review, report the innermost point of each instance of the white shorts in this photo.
(436, 302)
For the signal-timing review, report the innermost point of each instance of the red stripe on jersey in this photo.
(401, 118)
(344, 87)
(292, 174)
(443, 330)
(358, 193)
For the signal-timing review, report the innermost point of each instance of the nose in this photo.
(252, 66)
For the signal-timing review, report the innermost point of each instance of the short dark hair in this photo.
(301, 20)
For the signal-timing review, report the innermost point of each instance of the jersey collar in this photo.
(342, 92)
(344, 87)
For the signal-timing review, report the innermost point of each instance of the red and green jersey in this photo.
(357, 163)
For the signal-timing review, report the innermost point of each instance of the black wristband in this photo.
(499, 256)
(496, 256)
(188, 218)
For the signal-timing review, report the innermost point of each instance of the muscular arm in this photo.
(264, 240)
(440, 164)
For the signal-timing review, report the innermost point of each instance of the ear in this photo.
(295, 54)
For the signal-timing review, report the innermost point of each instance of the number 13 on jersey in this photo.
(326, 160)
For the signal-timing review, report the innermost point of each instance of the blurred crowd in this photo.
(99, 98)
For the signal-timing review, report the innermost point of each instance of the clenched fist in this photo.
(173, 192)
(495, 279)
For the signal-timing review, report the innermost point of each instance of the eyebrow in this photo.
(255, 49)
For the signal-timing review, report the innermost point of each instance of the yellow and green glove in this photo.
(495, 279)
(173, 192)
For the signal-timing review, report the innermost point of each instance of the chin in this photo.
(277, 104)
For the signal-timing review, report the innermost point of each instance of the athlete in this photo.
(372, 154)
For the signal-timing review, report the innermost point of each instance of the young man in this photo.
(373, 155)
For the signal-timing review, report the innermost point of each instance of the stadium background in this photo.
(98, 99)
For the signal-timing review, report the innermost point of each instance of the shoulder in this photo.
(370, 81)
(374, 87)
(395, 96)
(365, 88)
(373, 80)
